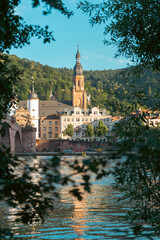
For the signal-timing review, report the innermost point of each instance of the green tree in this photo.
(100, 129)
(132, 26)
(69, 130)
(89, 131)
(20, 190)
(15, 32)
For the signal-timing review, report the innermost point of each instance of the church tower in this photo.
(33, 108)
(79, 96)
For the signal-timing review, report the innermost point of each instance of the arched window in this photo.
(79, 102)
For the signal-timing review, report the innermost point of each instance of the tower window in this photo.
(79, 83)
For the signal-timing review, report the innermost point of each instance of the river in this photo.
(97, 216)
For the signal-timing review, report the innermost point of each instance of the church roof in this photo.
(53, 116)
(47, 108)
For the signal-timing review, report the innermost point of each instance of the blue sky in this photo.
(68, 33)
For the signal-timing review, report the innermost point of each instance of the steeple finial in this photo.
(32, 84)
(78, 54)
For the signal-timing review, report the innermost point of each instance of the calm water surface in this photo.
(97, 216)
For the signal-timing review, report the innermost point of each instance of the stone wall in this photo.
(61, 145)
(29, 139)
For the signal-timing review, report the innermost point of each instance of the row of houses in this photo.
(54, 125)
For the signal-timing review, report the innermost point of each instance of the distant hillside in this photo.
(109, 88)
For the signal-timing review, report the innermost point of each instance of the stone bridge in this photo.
(17, 138)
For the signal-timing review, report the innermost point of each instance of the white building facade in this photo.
(33, 108)
(80, 118)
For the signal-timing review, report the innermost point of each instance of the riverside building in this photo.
(80, 118)
(51, 118)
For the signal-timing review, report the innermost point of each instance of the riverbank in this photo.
(59, 154)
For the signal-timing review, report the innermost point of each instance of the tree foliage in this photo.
(15, 32)
(110, 89)
(69, 130)
(133, 26)
(100, 130)
(137, 173)
(89, 131)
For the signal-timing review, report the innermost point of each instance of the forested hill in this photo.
(109, 88)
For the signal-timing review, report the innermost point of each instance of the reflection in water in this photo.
(97, 216)
(79, 216)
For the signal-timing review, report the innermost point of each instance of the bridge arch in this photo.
(6, 138)
(18, 145)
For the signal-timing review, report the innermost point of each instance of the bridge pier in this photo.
(17, 138)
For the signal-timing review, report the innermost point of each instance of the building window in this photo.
(56, 122)
(33, 109)
(77, 133)
(64, 119)
(56, 135)
(95, 119)
(44, 135)
(50, 135)
(56, 128)
(44, 128)
(77, 112)
(87, 119)
(95, 113)
(72, 119)
(33, 116)
(77, 119)
(68, 119)
(50, 129)
(90, 119)
(82, 119)
(79, 83)
(50, 122)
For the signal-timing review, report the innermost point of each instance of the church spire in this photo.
(32, 95)
(78, 69)
(78, 57)
(32, 85)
